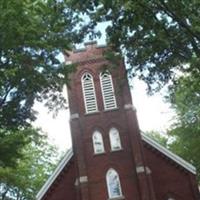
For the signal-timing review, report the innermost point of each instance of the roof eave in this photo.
(169, 154)
(55, 174)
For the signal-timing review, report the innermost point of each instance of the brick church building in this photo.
(110, 158)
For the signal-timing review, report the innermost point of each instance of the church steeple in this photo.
(110, 160)
(106, 140)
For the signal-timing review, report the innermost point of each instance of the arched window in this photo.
(98, 142)
(89, 93)
(113, 184)
(115, 139)
(107, 90)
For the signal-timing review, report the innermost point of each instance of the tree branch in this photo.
(178, 20)
(3, 100)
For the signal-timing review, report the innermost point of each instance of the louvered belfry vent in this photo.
(107, 89)
(89, 93)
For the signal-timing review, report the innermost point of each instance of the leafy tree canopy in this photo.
(158, 37)
(184, 135)
(161, 139)
(24, 181)
(185, 98)
(32, 35)
(12, 143)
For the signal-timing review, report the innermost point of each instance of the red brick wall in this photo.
(63, 188)
(96, 166)
(170, 179)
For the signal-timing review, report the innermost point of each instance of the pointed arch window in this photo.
(89, 93)
(115, 141)
(113, 184)
(107, 90)
(98, 142)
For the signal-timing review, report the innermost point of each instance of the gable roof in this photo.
(67, 157)
(169, 154)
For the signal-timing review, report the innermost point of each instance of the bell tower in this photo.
(107, 147)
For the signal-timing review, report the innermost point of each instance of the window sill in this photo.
(117, 198)
(116, 150)
(98, 154)
(92, 113)
(111, 109)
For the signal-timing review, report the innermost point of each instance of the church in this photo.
(110, 158)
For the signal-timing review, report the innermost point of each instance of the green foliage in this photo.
(158, 37)
(186, 144)
(12, 143)
(185, 98)
(24, 181)
(33, 33)
(161, 139)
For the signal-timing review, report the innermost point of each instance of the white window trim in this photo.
(103, 94)
(120, 145)
(103, 149)
(108, 187)
(84, 95)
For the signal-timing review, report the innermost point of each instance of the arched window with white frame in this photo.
(113, 184)
(98, 142)
(89, 93)
(115, 141)
(107, 90)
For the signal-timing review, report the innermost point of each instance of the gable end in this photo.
(169, 154)
(52, 178)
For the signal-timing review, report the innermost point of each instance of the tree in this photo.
(12, 143)
(161, 139)
(158, 37)
(185, 98)
(32, 35)
(24, 181)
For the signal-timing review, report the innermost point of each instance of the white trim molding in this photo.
(169, 154)
(148, 171)
(107, 90)
(74, 116)
(76, 182)
(83, 179)
(89, 93)
(117, 198)
(129, 107)
(142, 169)
(55, 174)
